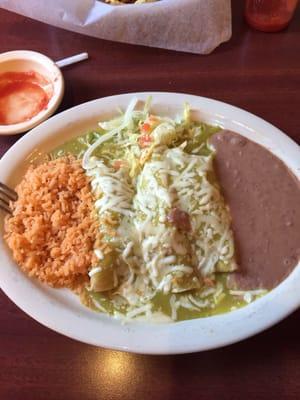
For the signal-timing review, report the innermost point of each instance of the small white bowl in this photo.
(24, 61)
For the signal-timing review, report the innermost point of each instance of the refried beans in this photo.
(264, 199)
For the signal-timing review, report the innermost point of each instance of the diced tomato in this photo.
(180, 219)
(209, 282)
(117, 164)
(145, 127)
(145, 141)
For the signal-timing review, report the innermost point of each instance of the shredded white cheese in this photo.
(153, 255)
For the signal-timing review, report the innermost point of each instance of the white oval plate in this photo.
(61, 310)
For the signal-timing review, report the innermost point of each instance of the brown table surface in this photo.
(258, 72)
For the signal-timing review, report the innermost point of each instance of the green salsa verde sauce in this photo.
(161, 302)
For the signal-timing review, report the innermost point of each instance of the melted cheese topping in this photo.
(153, 255)
(160, 171)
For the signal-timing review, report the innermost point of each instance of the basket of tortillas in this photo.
(196, 26)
